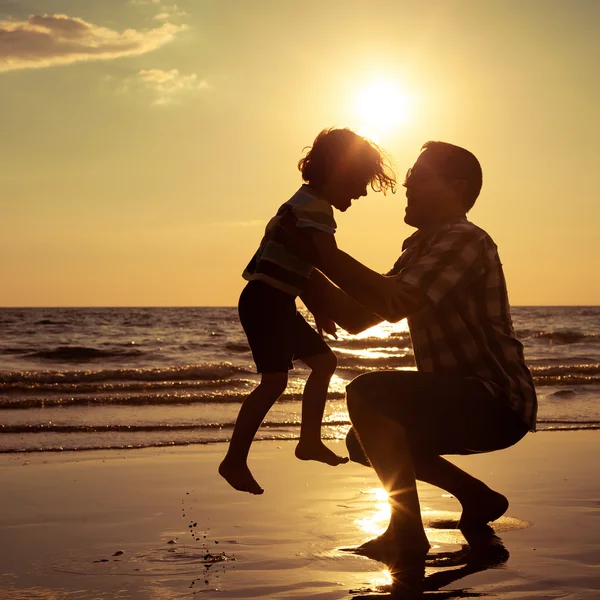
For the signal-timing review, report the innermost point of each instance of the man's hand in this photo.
(325, 324)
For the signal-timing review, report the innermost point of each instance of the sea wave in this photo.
(396, 341)
(556, 370)
(102, 387)
(90, 386)
(77, 354)
(206, 371)
(52, 428)
(234, 347)
(379, 360)
(51, 322)
(557, 337)
(144, 399)
(77, 440)
(542, 425)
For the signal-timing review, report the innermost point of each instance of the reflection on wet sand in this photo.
(484, 550)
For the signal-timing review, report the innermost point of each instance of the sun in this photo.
(381, 106)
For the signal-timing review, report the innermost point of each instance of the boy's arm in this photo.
(322, 297)
(388, 297)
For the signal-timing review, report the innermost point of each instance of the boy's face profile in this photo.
(341, 190)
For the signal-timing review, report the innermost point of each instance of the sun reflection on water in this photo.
(383, 579)
(382, 330)
(377, 521)
(371, 353)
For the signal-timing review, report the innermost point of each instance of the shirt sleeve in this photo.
(315, 215)
(451, 261)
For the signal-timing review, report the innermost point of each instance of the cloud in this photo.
(169, 12)
(49, 40)
(168, 84)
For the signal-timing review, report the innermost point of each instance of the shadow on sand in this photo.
(484, 550)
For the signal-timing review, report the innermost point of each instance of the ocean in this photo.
(74, 379)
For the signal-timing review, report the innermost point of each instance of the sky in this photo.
(145, 144)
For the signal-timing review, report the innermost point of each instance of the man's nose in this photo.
(364, 192)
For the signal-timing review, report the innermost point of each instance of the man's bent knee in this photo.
(355, 403)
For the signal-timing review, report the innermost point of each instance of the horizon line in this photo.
(235, 306)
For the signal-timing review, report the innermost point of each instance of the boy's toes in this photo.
(239, 477)
(320, 453)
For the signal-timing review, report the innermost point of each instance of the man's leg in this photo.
(480, 503)
(310, 445)
(440, 409)
(386, 444)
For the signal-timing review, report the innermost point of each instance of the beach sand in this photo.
(98, 525)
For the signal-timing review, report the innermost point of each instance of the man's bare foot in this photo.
(319, 452)
(483, 509)
(238, 476)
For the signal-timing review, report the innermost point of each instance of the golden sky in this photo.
(145, 144)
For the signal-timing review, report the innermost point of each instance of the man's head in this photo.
(443, 183)
(341, 164)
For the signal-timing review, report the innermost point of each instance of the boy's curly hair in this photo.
(342, 153)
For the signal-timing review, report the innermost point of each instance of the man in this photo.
(472, 391)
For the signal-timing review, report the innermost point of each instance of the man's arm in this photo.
(388, 297)
(322, 297)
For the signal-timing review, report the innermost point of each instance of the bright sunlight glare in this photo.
(381, 106)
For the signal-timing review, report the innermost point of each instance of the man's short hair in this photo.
(342, 153)
(454, 162)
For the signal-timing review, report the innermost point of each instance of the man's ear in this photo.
(460, 186)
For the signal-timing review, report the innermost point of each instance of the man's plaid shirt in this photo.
(466, 328)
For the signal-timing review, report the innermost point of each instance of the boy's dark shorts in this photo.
(441, 414)
(277, 333)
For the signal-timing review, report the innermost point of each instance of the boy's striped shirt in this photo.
(275, 265)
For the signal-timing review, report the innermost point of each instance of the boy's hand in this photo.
(325, 324)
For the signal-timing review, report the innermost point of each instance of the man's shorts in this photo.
(277, 333)
(441, 414)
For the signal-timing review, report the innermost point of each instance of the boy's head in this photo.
(341, 164)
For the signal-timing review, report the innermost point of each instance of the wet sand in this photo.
(161, 524)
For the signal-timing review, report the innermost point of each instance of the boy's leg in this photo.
(234, 467)
(310, 446)
(268, 318)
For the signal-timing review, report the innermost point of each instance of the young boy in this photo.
(337, 169)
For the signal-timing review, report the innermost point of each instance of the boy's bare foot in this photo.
(238, 476)
(319, 452)
(483, 509)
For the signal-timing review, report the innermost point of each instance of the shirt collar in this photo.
(431, 229)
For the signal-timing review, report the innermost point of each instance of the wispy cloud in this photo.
(168, 84)
(49, 40)
(169, 11)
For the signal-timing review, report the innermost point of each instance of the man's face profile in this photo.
(428, 193)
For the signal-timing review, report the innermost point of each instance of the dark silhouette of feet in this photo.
(239, 477)
(319, 452)
(389, 550)
(483, 509)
